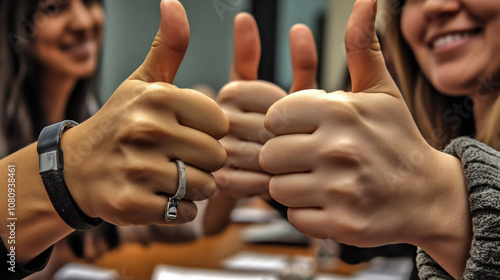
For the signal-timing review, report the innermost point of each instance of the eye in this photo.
(53, 7)
(50, 9)
(91, 2)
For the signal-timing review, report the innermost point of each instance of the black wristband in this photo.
(51, 162)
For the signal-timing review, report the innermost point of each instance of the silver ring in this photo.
(173, 202)
(181, 187)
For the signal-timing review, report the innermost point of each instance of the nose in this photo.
(438, 9)
(81, 18)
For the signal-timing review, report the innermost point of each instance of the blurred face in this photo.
(456, 42)
(68, 35)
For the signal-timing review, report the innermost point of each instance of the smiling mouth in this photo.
(80, 50)
(453, 37)
(82, 45)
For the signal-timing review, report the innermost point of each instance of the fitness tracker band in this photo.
(51, 163)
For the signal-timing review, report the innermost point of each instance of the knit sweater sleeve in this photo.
(482, 173)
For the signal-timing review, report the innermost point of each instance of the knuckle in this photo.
(230, 92)
(158, 94)
(355, 231)
(127, 91)
(138, 130)
(343, 107)
(136, 171)
(342, 151)
(345, 189)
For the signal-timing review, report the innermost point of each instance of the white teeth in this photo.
(450, 38)
(81, 45)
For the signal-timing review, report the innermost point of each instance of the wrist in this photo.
(74, 170)
(51, 169)
(448, 233)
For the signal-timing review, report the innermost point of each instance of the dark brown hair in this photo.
(21, 118)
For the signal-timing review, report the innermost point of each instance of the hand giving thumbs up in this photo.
(246, 100)
(352, 166)
(127, 171)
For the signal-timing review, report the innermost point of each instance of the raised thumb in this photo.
(246, 44)
(304, 58)
(169, 46)
(364, 56)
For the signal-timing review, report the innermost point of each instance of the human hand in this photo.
(119, 164)
(245, 100)
(353, 167)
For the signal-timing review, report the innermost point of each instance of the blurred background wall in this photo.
(131, 26)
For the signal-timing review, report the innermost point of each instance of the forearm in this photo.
(37, 224)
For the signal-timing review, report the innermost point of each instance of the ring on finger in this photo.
(173, 202)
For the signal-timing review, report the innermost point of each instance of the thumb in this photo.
(364, 56)
(247, 50)
(304, 58)
(169, 45)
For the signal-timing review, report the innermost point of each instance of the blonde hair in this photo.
(434, 112)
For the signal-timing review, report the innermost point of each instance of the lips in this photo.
(444, 39)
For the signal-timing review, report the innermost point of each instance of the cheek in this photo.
(413, 26)
(41, 48)
(410, 27)
(483, 8)
(46, 37)
(99, 18)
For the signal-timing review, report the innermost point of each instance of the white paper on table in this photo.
(251, 261)
(387, 269)
(379, 269)
(78, 271)
(253, 215)
(165, 272)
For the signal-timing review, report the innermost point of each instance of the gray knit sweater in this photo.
(482, 172)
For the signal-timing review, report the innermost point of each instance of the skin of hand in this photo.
(146, 124)
(353, 167)
(245, 100)
(118, 165)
